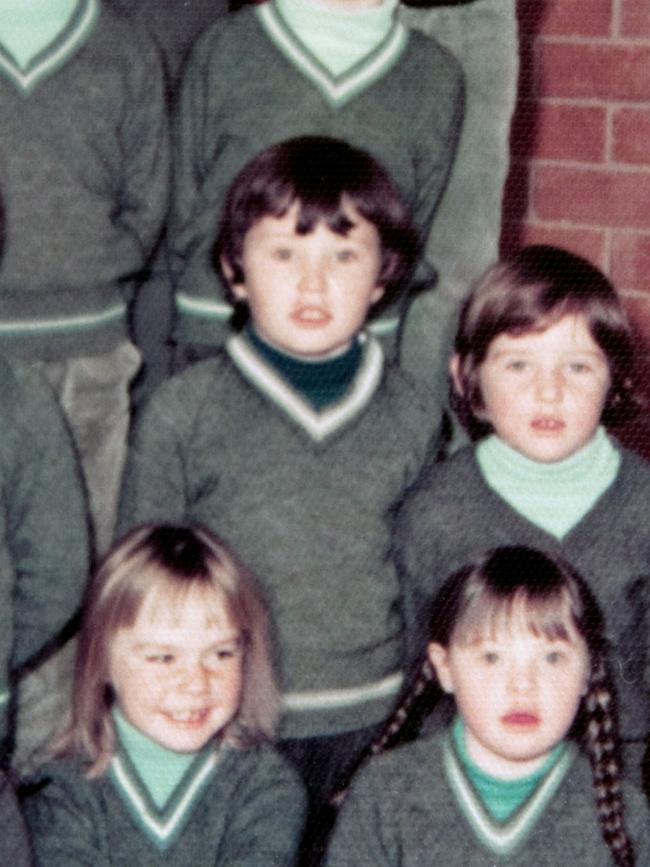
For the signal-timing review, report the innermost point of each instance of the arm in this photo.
(266, 817)
(144, 137)
(45, 517)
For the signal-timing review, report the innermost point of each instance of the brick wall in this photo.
(580, 173)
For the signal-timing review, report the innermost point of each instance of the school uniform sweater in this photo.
(415, 805)
(84, 179)
(452, 515)
(251, 83)
(303, 497)
(43, 538)
(233, 808)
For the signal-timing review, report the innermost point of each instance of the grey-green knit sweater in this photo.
(43, 538)
(249, 84)
(84, 177)
(304, 498)
(403, 811)
(452, 515)
(238, 808)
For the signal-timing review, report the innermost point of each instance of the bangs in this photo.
(486, 616)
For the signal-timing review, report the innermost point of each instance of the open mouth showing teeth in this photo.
(311, 315)
(193, 716)
(548, 424)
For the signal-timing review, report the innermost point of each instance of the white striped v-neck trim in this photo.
(337, 90)
(503, 838)
(318, 424)
(162, 826)
(54, 55)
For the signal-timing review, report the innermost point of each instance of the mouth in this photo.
(190, 718)
(548, 424)
(520, 719)
(311, 316)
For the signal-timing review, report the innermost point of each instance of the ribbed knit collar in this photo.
(554, 496)
(322, 424)
(506, 837)
(37, 37)
(134, 757)
(320, 382)
(500, 797)
(336, 89)
(338, 37)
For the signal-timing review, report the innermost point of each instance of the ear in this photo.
(454, 372)
(237, 289)
(376, 294)
(439, 659)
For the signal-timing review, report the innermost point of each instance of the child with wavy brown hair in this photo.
(166, 759)
(529, 771)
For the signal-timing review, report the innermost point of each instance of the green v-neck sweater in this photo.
(403, 810)
(249, 84)
(452, 515)
(84, 163)
(234, 808)
(304, 498)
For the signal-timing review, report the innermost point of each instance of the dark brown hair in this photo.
(173, 559)
(528, 291)
(557, 601)
(322, 174)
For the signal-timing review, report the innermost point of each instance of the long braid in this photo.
(602, 746)
(417, 701)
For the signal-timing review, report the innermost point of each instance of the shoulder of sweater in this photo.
(236, 29)
(431, 52)
(396, 770)
(119, 33)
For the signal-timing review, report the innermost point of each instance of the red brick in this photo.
(631, 143)
(570, 132)
(566, 17)
(592, 197)
(589, 243)
(630, 266)
(635, 18)
(581, 71)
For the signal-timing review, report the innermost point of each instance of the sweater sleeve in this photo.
(144, 134)
(155, 478)
(266, 817)
(45, 517)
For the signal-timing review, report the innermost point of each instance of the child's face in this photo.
(517, 693)
(544, 392)
(309, 295)
(177, 672)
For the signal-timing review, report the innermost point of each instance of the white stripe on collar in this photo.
(503, 838)
(47, 61)
(336, 89)
(160, 827)
(319, 425)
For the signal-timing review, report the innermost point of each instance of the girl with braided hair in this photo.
(529, 771)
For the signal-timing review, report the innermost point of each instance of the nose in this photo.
(522, 677)
(548, 385)
(195, 679)
(312, 278)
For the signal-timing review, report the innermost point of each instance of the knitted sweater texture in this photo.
(452, 515)
(239, 808)
(304, 498)
(43, 538)
(403, 812)
(250, 83)
(84, 176)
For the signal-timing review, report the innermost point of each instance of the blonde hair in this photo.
(154, 557)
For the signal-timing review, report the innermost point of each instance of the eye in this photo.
(579, 367)
(554, 657)
(517, 365)
(490, 657)
(160, 658)
(282, 254)
(346, 256)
